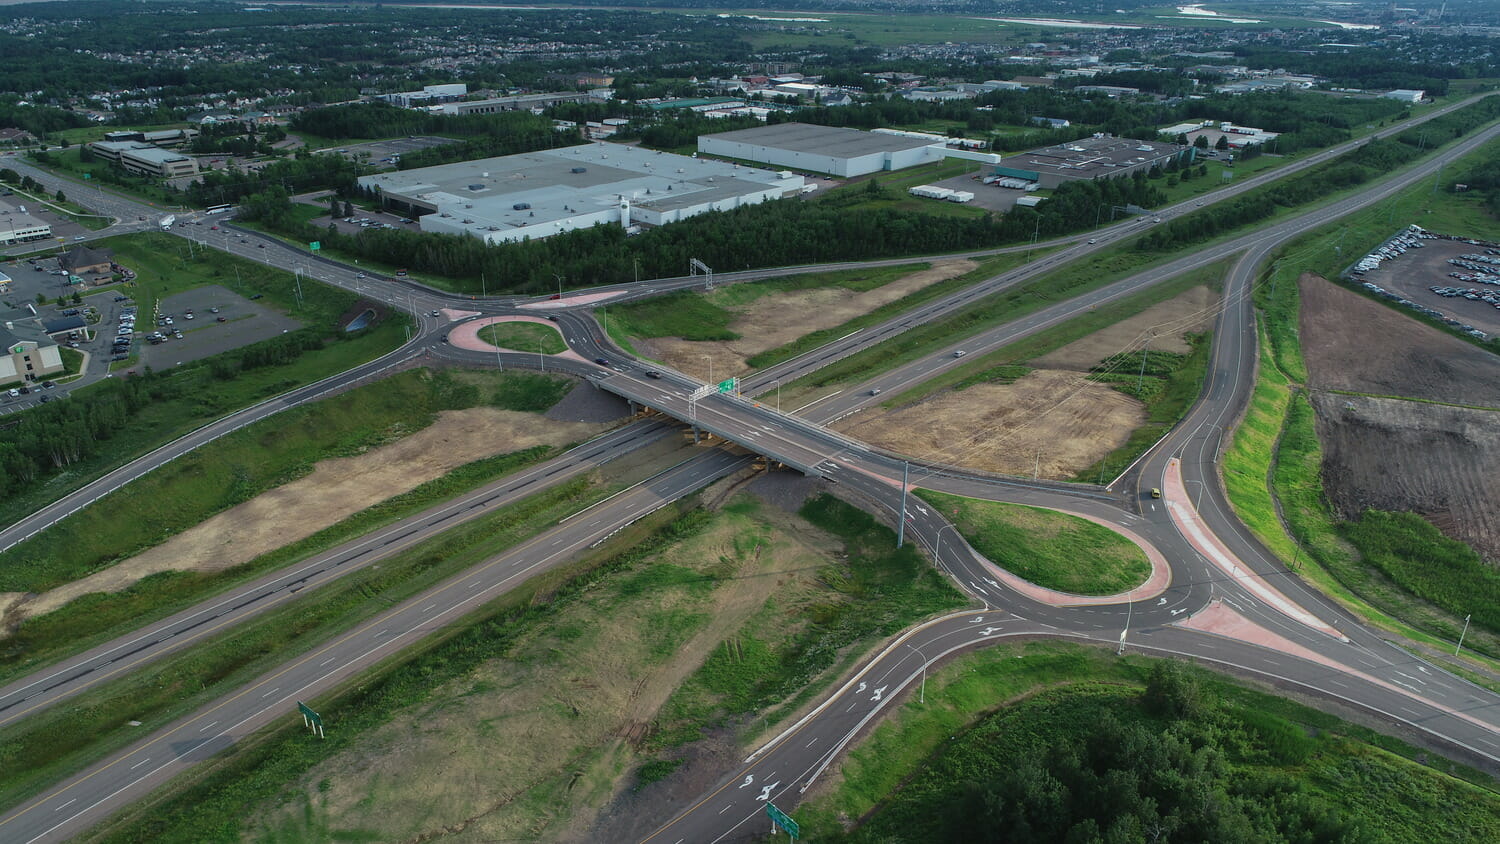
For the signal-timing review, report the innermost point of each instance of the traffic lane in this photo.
(43, 688)
(127, 776)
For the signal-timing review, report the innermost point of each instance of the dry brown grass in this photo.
(1070, 421)
(336, 489)
(533, 746)
(779, 318)
(1166, 323)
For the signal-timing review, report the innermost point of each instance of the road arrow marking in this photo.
(765, 793)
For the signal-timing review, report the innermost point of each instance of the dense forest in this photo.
(1180, 761)
(770, 234)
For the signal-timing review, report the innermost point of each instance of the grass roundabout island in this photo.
(1053, 550)
(524, 337)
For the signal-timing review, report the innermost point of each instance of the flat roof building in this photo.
(17, 226)
(1090, 158)
(519, 102)
(539, 194)
(825, 149)
(145, 159)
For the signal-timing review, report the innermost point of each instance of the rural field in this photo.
(1053, 415)
(1388, 444)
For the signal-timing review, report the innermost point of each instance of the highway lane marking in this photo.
(271, 692)
(726, 808)
(66, 805)
(206, 726)
(140, 763)
(326, 661)
(428, 608)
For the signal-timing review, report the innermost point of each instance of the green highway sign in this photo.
(783, 820)
(315, 245)
(311, 719)
(729, 385)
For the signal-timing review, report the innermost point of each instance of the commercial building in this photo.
(29, 354)
(17, 226)
(1405, 95)
(824, 149)
(145, 159)
(539, 194)
(429, 95)
(516, 103)
(1101, 156)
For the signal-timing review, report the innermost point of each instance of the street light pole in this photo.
(1462, 635)
(710, 360)
(901, 529)
(923, 696)
(777, 382)
(1128, 608)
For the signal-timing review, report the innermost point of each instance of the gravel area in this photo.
(587, 403)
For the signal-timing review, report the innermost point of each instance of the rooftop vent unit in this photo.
(467, 221)
(476, 187)
(521, 206)
(580, 169)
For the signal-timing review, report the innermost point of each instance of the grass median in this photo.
(67, 737)
(240, 466)
(1050, 549)
(524, 337)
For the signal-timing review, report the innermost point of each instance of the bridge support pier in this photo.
(635, 409)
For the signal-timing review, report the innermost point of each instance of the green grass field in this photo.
(1050, 549)
(524, 337)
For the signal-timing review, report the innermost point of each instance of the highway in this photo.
(805, 443)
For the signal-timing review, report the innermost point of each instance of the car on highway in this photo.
(221, 319)
(1093, 240)
(1155, 493)
(875, 391)
(602, 361)
(359, 275)
(14, 392)
(651, 373)
(960, 353)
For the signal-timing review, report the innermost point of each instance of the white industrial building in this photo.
(539, 194)
(17, 226)
(823, 149)
(1405, 95)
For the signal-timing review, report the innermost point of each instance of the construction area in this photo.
(1411, 422)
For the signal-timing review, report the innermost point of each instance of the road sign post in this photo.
(311, 719)
(315, 246)
(729, 385)
(783, 820)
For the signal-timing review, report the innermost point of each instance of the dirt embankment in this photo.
(775, 320)
(335, 490)
(1053, 422)
(1354, 343)
(1439, 461)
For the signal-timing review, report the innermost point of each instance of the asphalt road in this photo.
(804, 443)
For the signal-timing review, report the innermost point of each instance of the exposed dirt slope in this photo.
(1441, 462)
(1165, 323)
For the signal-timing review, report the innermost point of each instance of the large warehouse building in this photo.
(824, 149)
(1098, 157)
(539, 194)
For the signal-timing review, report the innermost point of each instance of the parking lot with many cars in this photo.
(1449, 279)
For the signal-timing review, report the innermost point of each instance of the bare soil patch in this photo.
(335, 490)
(533, 746)
(1353, 343)
(1070, 421)
(1440, 462)
(1166, 324)
(779, 318)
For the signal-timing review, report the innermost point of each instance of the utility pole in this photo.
(901, 530)
(1141, 377)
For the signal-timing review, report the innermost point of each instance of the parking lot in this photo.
(379, 151)
(1411, 274)
(244, 322)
